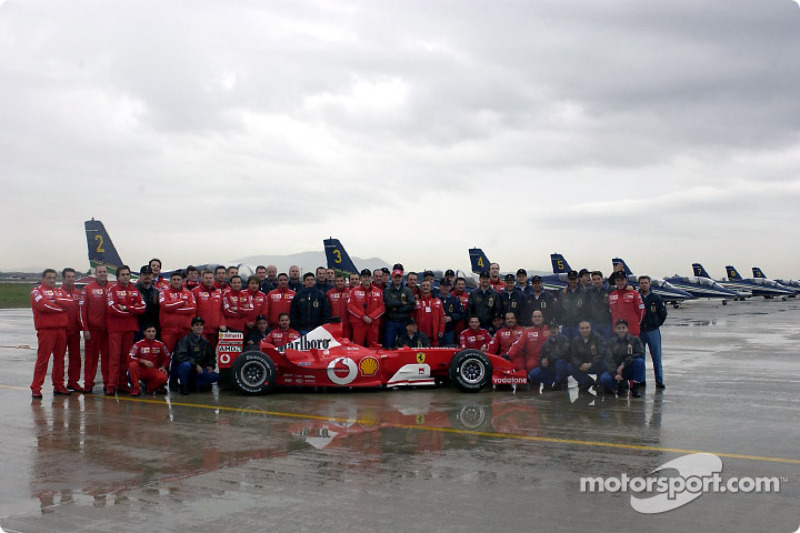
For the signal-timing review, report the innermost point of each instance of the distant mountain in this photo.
(307, 261)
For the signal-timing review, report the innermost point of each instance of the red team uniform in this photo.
(474, 340)
(367, 302)
(503, 339)
(122, 324)
(155, 377)
(50, 316)
(627, 304)
(526, 352)
(94, 310)
(278, 337)
(260, 306)
(429, 315)
(278, 301)
(176, 308)
(209, 308)
(338, 301)
(73, 339)
(235, 306)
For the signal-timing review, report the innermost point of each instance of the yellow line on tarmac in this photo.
(491, 434)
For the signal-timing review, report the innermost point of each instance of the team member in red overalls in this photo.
(94, 310)
(366, 307)
(258, 303)
(279, 300)
(626, 304)
(124, 305)
(505, 336)
(429, 314)
(50, 314)
(149, 362)
(526, 352)
(338, 297)
(73, 330)
(208, 300)
(474, 337)
(176, 308)
(236, 304)
(283, 333)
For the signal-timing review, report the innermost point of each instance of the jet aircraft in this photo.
(550, 282)
(667, 291)
(788, 283)
(700, 285)
(756, 286)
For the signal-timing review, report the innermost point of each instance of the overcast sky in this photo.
(200, 131)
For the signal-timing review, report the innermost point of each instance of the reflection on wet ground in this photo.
(364, 460)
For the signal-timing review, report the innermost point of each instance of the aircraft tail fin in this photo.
(757, 273)
(338, 258)
(478, 260)
(733, 275)
(698, 270)
(560, 265)
(101, 249)
(618, 261)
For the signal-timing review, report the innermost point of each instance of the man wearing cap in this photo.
(654, 317)
(365, 306)
(150, 294)
(411, 338)
(626, 303)
(624, 361)
(585, 279)
(194, 360)
(259, 332)
(484, 301)
(310, 308)
(542, 300)
(400, 303)
(572, 306)
(453, 312)
(176, 308)
(429, 314)
(512, 300)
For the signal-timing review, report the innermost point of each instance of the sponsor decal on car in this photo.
(368, 366)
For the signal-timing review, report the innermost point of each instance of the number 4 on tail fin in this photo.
(478, 260)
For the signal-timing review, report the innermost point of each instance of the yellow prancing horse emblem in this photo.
(420, 357)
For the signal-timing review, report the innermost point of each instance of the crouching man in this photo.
(149, 363)
(194, 361)
(552, 369)
(587, 356)
(624, 361)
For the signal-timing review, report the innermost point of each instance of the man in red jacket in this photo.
(279, 300)
(258, 304)
(176, 307)
(50, 314)
(626, 303)
(124, 305)
(73, 330)
(505, 336)
(366, 307)
(236, 303)
(338, 297)
(208, 300)
(283, 334)
(94, 309)
(474, 337)
(429, 314)
(526, 352)
(149, 363)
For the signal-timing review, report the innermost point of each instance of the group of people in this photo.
(161, 330)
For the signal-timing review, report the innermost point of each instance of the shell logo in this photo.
(369, 366)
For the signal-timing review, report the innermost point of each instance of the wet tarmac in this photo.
(414, 460)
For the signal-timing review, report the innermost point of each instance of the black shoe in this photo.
(184, 390)
(623, 385)
(556, 386)
(547, 387)
(660, 385)
(586, 385)
(36, 395)
(635, 391)
(643, 384)
(61, 392)
(173, 385)
(622, 391)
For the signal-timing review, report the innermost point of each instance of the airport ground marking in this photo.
(490, 434)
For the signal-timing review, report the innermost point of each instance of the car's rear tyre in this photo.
(470, 370)
(253, 372)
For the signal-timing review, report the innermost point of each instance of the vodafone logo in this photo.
(342, 370)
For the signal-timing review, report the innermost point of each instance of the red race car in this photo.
(324, 358)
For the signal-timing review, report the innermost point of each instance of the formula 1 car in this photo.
(325, 358)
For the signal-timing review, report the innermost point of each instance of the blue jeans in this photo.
(634, 372)
(392, 329)
(653, 340)
(582, 377)
(603, 329)
(569, 331)
(448, 339)
(187, 374)
(554, 373)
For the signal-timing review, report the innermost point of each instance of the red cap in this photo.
(397, 272)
